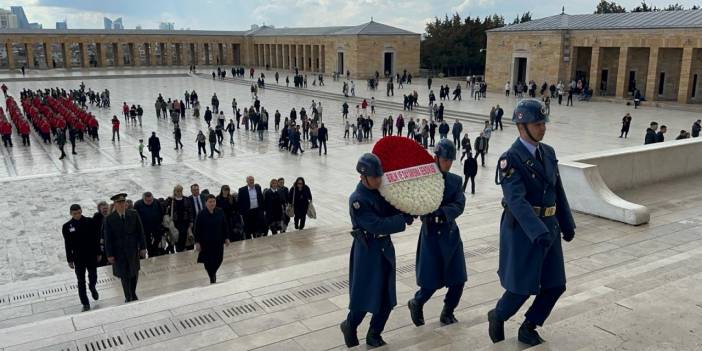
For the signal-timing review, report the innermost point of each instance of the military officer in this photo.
(372, 262)
(125, 244)
(440, 258)
(536, 213)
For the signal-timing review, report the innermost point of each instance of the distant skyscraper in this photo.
(62, 25)
(117, 24)
(107, 22)
(22, 21)
(166, 26)
(8, 20)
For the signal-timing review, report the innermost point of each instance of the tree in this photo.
(644, 8)
(609, 7)
(525, 17)
(674, 7)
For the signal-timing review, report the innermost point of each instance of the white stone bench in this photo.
(591, 180)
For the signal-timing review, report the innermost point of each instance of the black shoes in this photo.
(416, 312)
(528, 335)
(95, 294)
(350, 337)
(497, 327)
(86, 308)
(447, 317)
(373, 339)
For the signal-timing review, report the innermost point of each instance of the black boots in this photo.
(373, 339)
(350, 337)
(416, 312)
(497, 327)
(528, 334)
(447, 316)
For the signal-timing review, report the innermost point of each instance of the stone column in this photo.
(46, 47)
(119, 55)
(322, 61)
(303, 48)
(134, 54)
(274, 56)
(66, 53)
(595, 70)
(652, 75)
(29, 52)
(622, 72)
(10, 55)
(167, 54)
(685, 72)
(83, 52)
(315, 58)
(299, 63)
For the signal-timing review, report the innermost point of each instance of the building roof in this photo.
(608, 21)
(370, 28)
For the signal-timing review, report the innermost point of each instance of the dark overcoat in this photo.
(440, 258)
(368, 283)
(210, 231)
(123, 241)
(525, 266)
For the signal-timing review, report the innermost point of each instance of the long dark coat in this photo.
(210, 231)
(440, 259)
(123, 241)
(367, 281)
(525, 267)
(300, 199)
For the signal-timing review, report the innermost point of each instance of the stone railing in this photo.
(592, 180)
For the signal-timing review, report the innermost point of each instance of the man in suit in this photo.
(82, 240)
(250, 202)
(125, 244)
(155, 149)
(197, 204)
(284, 191)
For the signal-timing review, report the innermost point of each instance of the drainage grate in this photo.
(193, 322)
(107, 280)
(480, 251)
(56, 290)
(150, 333)
(111, 342)
(239, 311)
(23, 296)
(277, 302)
(4, 300)
(316, 292)
(406, 269)
(341, 285)
(66, 346)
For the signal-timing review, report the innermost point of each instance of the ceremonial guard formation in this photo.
(440, 259)
(536, 213)
(372, 263)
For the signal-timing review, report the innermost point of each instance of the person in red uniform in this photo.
(115, 128)
(6, 132)
(24, 132)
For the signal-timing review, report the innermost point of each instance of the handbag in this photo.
(191, 238)
(311, 212)
(168, 224)
(290, 208)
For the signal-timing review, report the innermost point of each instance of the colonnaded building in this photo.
(362, 50)
(659, 53)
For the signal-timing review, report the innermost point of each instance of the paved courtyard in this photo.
(623, 280)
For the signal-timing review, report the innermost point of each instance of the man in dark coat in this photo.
(536, 214)
(456, 131)
(322, 136)
(155, 149)
(82, 242)
(440, 258)
(696, 128)
(98, 220)
(125, 244)
(660, 136)
(250, 201)
(470, 170)
(372, 262)
(651, 133)
(211, 235)
(499, 112)
(151, 215)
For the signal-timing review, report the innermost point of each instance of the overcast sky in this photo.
(239, 15)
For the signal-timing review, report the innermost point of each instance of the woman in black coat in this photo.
(211, 235)
(273, 203)
(227, 202)
(300, 197)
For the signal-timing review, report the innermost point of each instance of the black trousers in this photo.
(80, 270)
(540, 309)
(482, 157)
(25, 139)
(155, 157)
(211, 268)
(300, 222)
(253, 221)
(472, 183)
(182, 235)
(201, 149)
(322, 143)
(129, 285)
(451, 300)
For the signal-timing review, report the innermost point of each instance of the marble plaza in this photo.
(629, 287)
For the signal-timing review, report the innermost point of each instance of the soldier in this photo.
(372, 262)
(440, 258)
(536, 212)
(124, 244)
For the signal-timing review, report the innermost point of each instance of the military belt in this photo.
(544, 211)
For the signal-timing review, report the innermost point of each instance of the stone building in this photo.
(658, 53)
(362, 50)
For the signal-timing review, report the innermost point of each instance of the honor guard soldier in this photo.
(536, 213)
(440, 259)
(372, 263)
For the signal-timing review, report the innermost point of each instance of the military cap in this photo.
(530, 111)
(369, 165)
(119, 197)
(445, 149)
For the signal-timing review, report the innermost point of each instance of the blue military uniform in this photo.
(536, 212)
(372, 263)
(440, 258)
